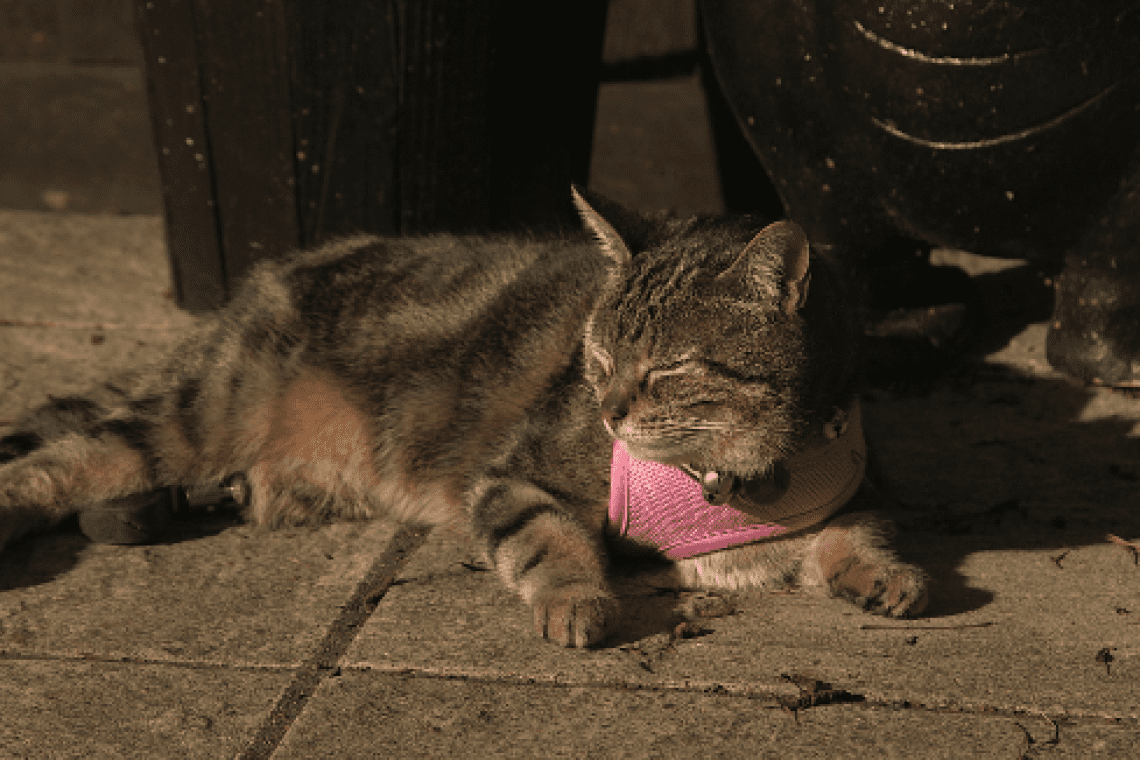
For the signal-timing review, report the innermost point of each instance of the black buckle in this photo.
(142, 518)
(719, 488)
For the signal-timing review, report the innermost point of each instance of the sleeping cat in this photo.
(500, 383)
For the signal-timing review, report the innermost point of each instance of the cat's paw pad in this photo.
(894, 591)
(575, 616)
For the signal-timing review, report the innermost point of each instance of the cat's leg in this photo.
(550, 559)
(850, 558)
(179, 422)
(769, 565)
(66, 454)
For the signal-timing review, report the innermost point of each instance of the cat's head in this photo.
(702, 349)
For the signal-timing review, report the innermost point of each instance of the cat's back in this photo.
(434, 283)
(381, 274)
(447, 303)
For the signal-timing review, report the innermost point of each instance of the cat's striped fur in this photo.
(462, 379)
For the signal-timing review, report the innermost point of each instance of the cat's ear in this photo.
(603, 227)
(785, 244)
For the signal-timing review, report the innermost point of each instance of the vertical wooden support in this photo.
(346, 93)
(242, 52)
(193, 234)
(285, 122)
(445, 152)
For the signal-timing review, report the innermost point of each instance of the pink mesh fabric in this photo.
(659, 506)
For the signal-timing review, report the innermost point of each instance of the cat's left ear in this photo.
(784, 243)
(613, 245)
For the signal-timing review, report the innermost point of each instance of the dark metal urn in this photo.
(1005, 129)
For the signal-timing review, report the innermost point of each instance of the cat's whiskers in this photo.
(682, 428)
(714, 426)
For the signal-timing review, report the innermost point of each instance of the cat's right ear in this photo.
(612, 243)
(784, 245)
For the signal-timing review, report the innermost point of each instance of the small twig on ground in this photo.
(1129, 545)
(1104, 656)
(877, 626)
(1059, 557)
(650, 650)
(1030, 741)
(813, 692)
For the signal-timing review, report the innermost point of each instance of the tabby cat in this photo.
(483, 380)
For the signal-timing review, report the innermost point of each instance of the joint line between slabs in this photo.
(335, 643)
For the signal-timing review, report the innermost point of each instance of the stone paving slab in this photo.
(659, 133)
(239, 596)
(66, 709)
(387, 715)
(1059, 451)
(1029, 649)
(81, 296)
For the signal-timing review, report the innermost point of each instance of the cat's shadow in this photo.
(950, 591)
(651, 599)
(940, 530)
(40, 558)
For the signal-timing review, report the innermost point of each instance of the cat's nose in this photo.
(614, 408)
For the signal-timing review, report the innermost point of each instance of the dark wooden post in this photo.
(166, 29)
(283, 122)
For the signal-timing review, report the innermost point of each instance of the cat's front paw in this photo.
(904, 594)
(896, 591)
(574, 616)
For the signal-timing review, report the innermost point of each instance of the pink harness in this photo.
(660, 507)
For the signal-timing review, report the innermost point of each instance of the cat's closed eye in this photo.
(684, 366)
(602, 361)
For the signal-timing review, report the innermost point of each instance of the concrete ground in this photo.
(349, 641)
